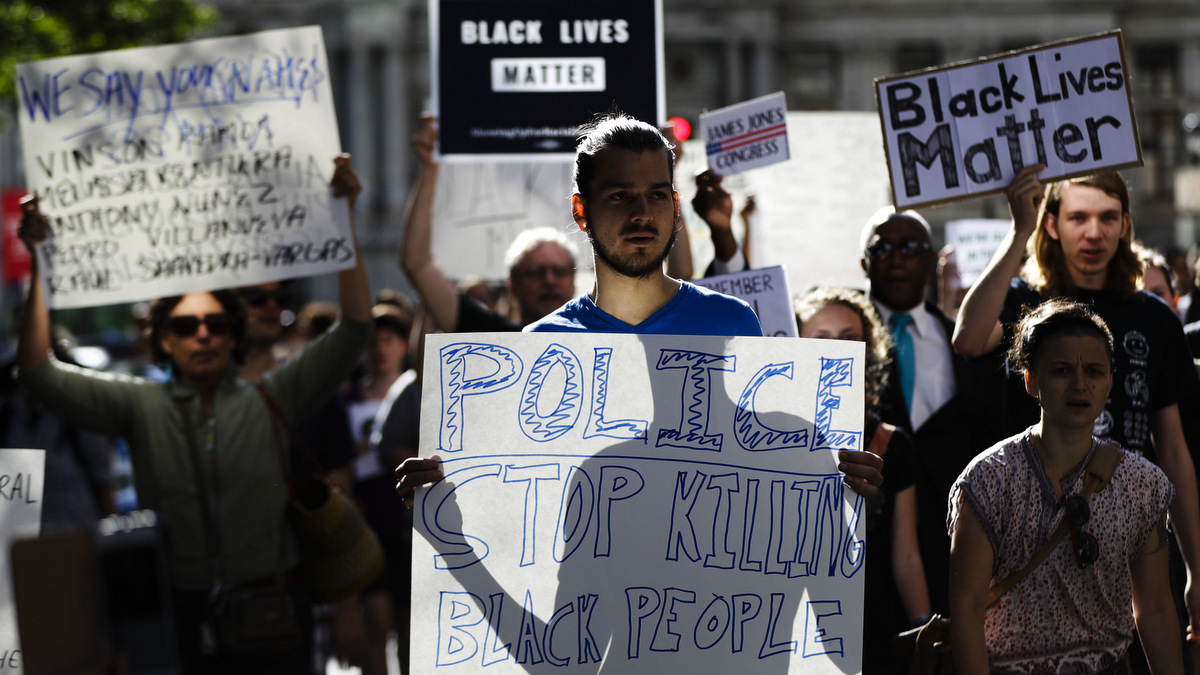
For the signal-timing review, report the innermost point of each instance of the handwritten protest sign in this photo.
(966, 129)
(481, 207)
(767, 292)
(22, 474)
(638, 504)
(519, 77)
(746, 136)
(974, 241)
(172, 169)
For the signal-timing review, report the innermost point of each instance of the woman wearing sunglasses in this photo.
(203, 415)
(1071, 612)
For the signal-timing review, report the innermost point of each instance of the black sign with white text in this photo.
(518, 78)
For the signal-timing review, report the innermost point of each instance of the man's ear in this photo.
(1128, 225)
(579, 211)
(678, 213)
(866, 266)
(1050, 221)
(1031, 384)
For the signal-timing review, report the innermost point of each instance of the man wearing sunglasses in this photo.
(203, 443)
(932, 390)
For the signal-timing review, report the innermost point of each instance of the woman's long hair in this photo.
(879, 342)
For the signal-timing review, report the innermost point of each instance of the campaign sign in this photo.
(767, 292)
(519, 77)
(638, 504)
(966, 129)
(172, 169)
(746, 136)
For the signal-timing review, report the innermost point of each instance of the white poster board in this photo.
(811, 211)
(479, 209)
(22, 476)
(964, 130)
(638, 504)
(747, 135)
(768, 293)
(171, 169)
(975, 240)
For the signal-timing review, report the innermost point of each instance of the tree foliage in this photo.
(31, 30)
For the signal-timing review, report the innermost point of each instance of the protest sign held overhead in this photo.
(966, 129)
(516, 79)
(746, 136)
(975, 240)
(638, 504)
(766, 290)
(179, 168)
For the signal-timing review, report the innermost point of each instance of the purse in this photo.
(255, 618)
(339, 552)
(927, 648)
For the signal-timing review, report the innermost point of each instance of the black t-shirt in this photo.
(475, 318)
(1152, 357)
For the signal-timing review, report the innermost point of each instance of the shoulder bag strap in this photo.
(879, 442)
(277, 413)
(1099, 471)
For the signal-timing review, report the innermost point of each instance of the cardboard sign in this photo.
(519, 77)
(975, 240)
(638, 504)
(173, 169)
(22, 476)
(767, 292)
(966, 129)
(479, 209)
(746, 136)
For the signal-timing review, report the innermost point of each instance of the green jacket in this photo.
(242, 469)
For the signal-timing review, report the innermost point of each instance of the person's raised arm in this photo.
(34, 346)
(416, 245)
(679, 260)
(971, 560)
(354, 290)
(714, 205)
(977, 330)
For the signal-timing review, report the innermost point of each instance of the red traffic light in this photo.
(683, 128)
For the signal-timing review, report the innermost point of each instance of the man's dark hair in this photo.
(615, 131)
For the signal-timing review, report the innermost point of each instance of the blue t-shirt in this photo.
(693, 311)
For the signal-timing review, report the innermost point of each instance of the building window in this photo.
(812, 78)
(914, 56)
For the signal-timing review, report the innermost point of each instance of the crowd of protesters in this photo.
(1012, 401)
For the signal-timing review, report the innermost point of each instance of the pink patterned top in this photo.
(1060, 618)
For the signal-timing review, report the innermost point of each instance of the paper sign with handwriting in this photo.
(22, 477)
(186, 167)
(966, 129)
(746, 136)
(638, 504)
(767, 291)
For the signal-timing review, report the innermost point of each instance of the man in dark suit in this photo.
(933, 392)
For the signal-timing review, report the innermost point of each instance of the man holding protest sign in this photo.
(225, 521)
(624, 177)
(1079, 232)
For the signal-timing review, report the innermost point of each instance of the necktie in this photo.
(906, 357)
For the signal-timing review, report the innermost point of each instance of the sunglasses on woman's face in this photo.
(186, 325)
(1087, 548)
(258, 297)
